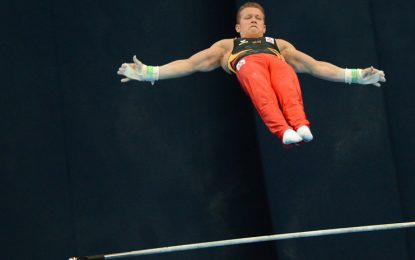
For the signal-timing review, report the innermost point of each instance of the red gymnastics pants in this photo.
(274, 90)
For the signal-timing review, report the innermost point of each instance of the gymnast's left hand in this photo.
(372, 76)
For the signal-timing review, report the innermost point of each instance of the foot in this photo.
(305, 133)
(291, 137)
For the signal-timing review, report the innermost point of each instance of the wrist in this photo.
(151, 73)
(352, 75)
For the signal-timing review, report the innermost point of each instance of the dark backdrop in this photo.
(359, 169)
(90, 166)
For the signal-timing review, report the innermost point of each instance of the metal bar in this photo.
(247, 240)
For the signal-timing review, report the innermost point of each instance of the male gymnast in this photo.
(266, 69)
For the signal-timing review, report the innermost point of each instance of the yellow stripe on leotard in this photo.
(232, 58)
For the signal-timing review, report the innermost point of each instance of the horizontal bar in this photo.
(247, 240)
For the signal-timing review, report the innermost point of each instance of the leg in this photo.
(253, 74)
(287, 88)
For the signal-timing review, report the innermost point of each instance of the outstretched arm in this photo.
(206, 60)
(303, 63)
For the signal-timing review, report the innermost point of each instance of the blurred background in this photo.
(92, 166)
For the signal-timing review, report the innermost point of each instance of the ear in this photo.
(237, 28)
(265, 28)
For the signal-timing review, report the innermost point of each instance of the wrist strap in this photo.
(151, 73)
(352, 75)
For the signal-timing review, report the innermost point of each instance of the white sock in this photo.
(291, 137)
(305, 133)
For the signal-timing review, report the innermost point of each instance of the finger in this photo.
(125, 80)
(378, 71)
(121, 71)
(376, 84)
(369, 71)
(136, 61)
(372, 71)
(125, 65)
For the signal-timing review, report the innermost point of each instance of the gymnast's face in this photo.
(251, 23)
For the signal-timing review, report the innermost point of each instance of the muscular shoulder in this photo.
(283, 45)
(225, 44)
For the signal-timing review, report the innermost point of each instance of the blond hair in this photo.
(248, 4)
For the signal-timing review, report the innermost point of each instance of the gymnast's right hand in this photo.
(136, 70)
